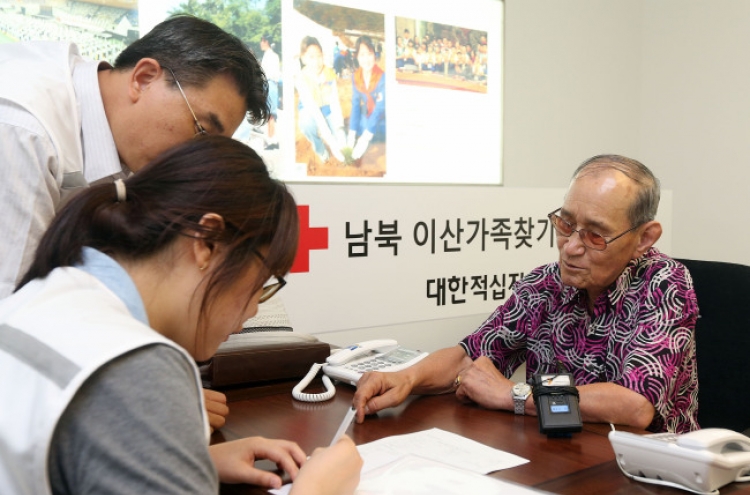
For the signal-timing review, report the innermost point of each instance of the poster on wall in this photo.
(386, 92)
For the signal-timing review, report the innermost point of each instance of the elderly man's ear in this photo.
(650, 232)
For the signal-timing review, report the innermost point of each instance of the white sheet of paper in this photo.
(281, 491)
(416, 475)
(422, 452)
(441, 446)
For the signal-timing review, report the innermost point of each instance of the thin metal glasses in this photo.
(199, 130)
(270, 289)
(590, 239)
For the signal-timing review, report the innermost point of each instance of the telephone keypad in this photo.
(382, 362)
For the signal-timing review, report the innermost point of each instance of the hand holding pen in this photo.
(334, 469)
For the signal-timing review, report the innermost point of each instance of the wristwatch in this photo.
(520, 392)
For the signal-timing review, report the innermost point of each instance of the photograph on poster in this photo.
(440, 56)
(330, 65)
(340, 96)
(100, 29)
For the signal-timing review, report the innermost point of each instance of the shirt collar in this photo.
(569, 293)
(614, 293)
(116, 279)
(100, 157)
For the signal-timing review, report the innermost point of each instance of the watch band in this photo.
(520, 392)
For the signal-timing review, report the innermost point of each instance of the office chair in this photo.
(722, 343)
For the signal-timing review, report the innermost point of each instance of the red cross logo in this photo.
(309, 238)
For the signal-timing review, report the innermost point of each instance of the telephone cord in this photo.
(323, 396)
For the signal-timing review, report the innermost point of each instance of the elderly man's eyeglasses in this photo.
(199, 130)
(590, 239)
(273, 286)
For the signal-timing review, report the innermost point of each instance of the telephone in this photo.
(701, 461)
(350, 363)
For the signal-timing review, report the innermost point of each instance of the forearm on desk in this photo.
(612, 403)
(437, 373)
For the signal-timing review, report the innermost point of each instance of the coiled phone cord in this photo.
(323, 396)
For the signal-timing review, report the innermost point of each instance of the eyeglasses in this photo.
(199, 130)
(270, 289)
(590, 239)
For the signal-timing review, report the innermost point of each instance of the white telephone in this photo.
(350, 363)
(701, 461)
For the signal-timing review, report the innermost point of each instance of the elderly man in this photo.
(66, 122)
(613, 311)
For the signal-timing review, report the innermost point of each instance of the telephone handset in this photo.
(350, 363)
(346, 354)
(701, 461)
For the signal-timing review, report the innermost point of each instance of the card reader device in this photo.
(556, 400)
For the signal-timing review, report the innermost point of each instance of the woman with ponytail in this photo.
(132, 283)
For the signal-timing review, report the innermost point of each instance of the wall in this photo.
(664, 81)
(572, 85)
(695, 120)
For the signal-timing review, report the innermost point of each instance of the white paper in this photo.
(284, 490)
(414, 475)
(436, 462)
(441, 446)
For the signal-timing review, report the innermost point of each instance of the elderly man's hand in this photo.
(376, 391)
(484, 384)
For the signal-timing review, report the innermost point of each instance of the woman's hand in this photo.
(330, 471)
(235, 461)
(216, 408)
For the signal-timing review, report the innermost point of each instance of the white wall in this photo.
(695, 120)
(663, 81)
(572, 85)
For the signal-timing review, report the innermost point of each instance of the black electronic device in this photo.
(556, 400)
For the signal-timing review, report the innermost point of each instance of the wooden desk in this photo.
(580, 465)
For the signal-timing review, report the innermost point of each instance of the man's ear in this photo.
(145, 72)
(204, 248)
(650, 232)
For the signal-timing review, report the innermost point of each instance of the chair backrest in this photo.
(722, 343)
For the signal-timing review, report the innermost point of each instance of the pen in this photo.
(344, 425)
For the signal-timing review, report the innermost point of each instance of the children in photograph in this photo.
(421, 58)
(399, 52)
(367, 118)
(319, 112)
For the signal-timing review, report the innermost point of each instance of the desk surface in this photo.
(582, 464)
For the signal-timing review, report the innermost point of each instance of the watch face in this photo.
(521, 389)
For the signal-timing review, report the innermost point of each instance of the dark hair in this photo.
(167, 199)
(307, 42)
(644, 206)
(364, 40)
(197, 51)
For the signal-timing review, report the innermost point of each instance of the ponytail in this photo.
(141, 216)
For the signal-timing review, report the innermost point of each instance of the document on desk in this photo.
(419, 476)
(441, 446)
(434, 462)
